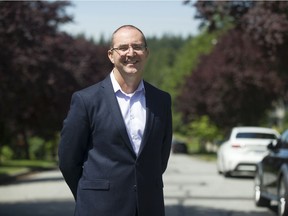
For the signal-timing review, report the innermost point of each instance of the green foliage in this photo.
(172, 59)
(32, 164)
(204, 128)
(203, 132)
(198, 133)
(162, 56)
(6, 153)
(42, 67)
(37, 148)
(15, 167)
(186, 60)
(10, 171)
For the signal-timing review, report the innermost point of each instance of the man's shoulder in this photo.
(92, 92)
(155, 90)
(92, 89)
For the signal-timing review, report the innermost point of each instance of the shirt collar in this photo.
(117, 87)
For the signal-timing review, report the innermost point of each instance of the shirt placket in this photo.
(134, 127)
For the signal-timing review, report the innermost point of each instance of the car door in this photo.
(273, 162)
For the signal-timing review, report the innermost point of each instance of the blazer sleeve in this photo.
(166, 147)
(73, 143)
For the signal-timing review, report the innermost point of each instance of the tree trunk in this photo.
(26, 145)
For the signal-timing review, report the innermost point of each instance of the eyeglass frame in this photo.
(141, 47)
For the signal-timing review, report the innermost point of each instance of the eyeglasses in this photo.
(124, 49)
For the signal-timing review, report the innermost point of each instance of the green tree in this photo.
(163, 54)
(203, 129)
(186, 60)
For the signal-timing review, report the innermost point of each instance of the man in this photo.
(116, 139)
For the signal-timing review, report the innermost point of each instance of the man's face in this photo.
(129, 53)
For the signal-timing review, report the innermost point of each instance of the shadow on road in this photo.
(22, 177)
(49, 208)
(206, 211)
(67, 208)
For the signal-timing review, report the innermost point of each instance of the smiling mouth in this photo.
(131, 62)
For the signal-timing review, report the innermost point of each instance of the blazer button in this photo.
(135, 187)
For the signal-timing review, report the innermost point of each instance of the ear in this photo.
(147, 52)
(110, 56)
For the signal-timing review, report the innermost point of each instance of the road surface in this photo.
(192, 188)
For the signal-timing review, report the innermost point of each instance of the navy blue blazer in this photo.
(97, 160)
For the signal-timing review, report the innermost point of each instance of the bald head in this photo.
(127, 27)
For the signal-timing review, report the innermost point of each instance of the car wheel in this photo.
(219, 169)
(227, 174)
(224, 171)
(282, 195)
(258, 196)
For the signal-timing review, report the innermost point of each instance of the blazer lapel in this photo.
(149, 118)
(115, 111)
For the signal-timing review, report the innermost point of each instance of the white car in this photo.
(245, 147)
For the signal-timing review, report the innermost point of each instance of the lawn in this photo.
(11, 168)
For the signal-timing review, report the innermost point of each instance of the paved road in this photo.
(192, 188)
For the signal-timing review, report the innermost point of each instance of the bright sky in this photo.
(154, 18)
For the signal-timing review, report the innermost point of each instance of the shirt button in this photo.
(135, 187)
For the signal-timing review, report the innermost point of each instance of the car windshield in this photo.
(256, 136)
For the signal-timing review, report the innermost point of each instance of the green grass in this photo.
(29, 163)
(12, 170)
(14, 167)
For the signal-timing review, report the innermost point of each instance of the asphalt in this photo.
(192, 187)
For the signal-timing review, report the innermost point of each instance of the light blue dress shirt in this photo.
(133, 109)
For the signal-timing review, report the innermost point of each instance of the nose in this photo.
(130, 50)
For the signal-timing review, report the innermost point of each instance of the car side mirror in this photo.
(270, 146)
(273, 145)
